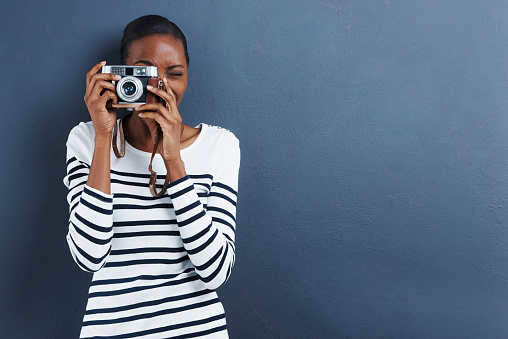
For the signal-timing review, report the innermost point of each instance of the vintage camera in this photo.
(131, 89)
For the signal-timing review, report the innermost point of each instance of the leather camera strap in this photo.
(121, 154)
(153, 175)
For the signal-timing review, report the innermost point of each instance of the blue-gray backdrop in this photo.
(374, 177)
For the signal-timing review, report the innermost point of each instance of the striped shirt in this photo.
(156, 262)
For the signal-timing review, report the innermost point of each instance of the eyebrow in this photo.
(141, 61)
(150, 64)
(173, 66)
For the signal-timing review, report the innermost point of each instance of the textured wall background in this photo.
(374, 179)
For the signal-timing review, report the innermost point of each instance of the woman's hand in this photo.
(169, 120)
(100, 90)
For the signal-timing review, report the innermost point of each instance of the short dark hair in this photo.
(150, 25)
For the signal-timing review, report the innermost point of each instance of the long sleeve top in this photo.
(155, 261)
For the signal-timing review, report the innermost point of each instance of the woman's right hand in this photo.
(100, 90)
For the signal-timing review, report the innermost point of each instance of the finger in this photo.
(159, 107)
(100, 88)
(170, 110)
(167, 94)
(93, 71)
(153, 108)
(170, 116)
(102, 85)
(108, 95)
(149, 115)
(172, 103)
(154, 117)
(167, 97)
(101, 77)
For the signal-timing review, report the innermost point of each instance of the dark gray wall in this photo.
(374, 178)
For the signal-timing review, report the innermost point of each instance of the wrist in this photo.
(102, 143)
(103, 139)
(175, 169)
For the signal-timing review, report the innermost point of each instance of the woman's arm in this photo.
(208, 232)
(99, 176)
(91, 204)
(100, 90)
(91, 211)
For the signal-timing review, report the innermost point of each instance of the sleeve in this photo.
(208, 232)
(90, 210)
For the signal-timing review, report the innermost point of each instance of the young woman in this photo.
(156, 261)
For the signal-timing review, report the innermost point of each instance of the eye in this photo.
(175, 74)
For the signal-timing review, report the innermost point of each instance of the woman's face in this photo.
(167, 54)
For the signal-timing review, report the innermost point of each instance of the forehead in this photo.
(159, 49)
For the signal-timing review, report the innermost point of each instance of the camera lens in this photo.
(129, 88)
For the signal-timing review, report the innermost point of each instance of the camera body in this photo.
(131, 89)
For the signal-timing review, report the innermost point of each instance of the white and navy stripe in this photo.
(156, 261)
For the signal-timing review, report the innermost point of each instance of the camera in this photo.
(131, 89)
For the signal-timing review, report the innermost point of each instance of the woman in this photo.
(156, 261)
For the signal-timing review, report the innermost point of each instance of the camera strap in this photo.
(153, 175)
(121, 154)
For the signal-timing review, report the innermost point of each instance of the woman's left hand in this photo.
(169, 120)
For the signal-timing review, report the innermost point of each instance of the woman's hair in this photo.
(149, 25)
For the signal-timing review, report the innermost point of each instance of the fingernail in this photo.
(117, 77)
(137, 108)
(103, 62)
(149, 86)
(140, 114)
